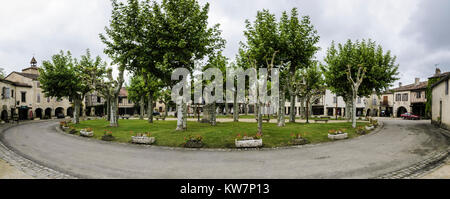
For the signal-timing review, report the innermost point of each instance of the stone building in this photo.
(410, 98)
(22, 95)
(96, 105)
(440, 104)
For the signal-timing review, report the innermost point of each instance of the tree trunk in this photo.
(108, 108)
(141, 106)
(114, 119)
(246, 108)
(354, 108)
(166, 110)
(185, 112)
(307, 110)
(76, 116)
(150, 108)
(180, 117)
(213, 114)
(235, 108)
(292, 114)
(259, 115)
(302, 107)
(281, 112)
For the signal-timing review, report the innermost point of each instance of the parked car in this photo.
(410, 116)
(60, 115)
(156, 113)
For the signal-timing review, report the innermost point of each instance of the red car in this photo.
(410, 116)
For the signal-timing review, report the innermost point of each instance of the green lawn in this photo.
(220, 136)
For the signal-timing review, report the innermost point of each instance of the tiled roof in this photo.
(447, 76)
(441, 75)
(409, 87)
(15, 83)
(28, 75)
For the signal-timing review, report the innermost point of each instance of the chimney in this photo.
(438, 72)
(417, 81)
(400, 84)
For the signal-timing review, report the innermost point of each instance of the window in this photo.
(6, 93)
(48, 99)
(38, 98)
(23, 96)
(12, 93)
(405, 97)
(334, 100)
(120, 100)
(446, 87)
(418, 94)
(99, 100)
(374, 101)
(38, 84)
(359, 100)
(129, 101)
(398, 97)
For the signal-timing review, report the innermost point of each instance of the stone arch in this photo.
(38, 113)
(48, 113)
(70, 111)
(59, 110)
(368, 112)
(401, 110)
(4, 115)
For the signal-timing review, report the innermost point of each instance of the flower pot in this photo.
(142, 140)
(86, 133)
(248, 143)
(338, 136)
(193, 144)
(361, 132)
(369, 128)
(300, 141)
(108, 138)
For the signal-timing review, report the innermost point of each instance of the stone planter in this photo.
(193, 144)
(338, 136)
(142, 140)
(249, 143)
(300, 141)
(361, 132)
(86, 133)
(369, 128)
(108, 138)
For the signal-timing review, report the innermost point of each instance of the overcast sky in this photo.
(416, 31)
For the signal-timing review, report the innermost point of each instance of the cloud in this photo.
(416, 31)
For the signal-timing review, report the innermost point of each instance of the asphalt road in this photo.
(398, 144)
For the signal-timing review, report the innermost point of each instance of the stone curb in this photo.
(25, 165)
(434, 160)
(375, 131)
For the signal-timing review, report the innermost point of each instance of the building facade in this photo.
(440, 104)
(23, 97)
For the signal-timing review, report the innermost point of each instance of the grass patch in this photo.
(220, 136)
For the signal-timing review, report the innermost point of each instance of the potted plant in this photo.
(108, 136)
(143, 138)
(249, 142)
(360, 130)
(194, 142)
(64, 125)
(298, 139)
(72, 130)
(337, 134)
(87, 132)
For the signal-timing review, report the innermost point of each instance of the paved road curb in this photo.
(434, 160)
(25, 165)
